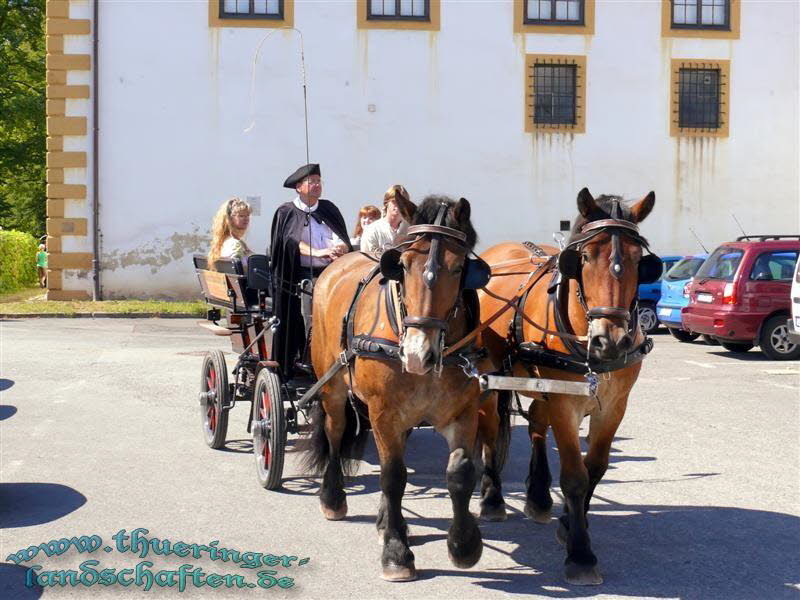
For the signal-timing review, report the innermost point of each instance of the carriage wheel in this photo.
(213, 397)
(269, 429)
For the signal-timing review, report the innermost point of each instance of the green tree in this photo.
(23, 134)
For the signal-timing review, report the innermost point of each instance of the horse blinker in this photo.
(476, 273)
(650, 268)
(390, 264)
(569, 263)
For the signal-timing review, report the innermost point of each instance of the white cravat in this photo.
(318, 236)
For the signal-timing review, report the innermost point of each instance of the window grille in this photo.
(701, 14)
(554, 94)
(555, 86)
(398, 10)
(554, 12)
(251, 9)
(699, 96)
(699, 102)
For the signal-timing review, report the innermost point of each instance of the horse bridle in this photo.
(570, 263)
(438, 232)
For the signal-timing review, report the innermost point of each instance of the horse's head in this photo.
(432, 266)
(605, 254)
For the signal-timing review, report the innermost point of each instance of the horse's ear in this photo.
(586, 204)
(404, 204)
(641, 209)
(462, 211)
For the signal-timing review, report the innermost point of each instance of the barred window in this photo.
(555, 87)
(698, 103)
(411, 10)
(251, 9)
(700, 97)
(701, 14)
(553, 12)
(554, 94)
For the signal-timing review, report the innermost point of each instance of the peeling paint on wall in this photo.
(158, 253)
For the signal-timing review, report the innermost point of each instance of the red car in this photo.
(741, 295)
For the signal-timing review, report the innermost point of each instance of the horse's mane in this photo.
(427, 211)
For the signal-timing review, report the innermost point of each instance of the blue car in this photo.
(673, 297)
(649, 294)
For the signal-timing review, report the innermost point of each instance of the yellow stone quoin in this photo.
(66, 160)
(60, 123)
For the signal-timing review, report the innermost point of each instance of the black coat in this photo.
(289, 228)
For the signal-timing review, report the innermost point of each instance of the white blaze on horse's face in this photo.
(420, 348)
(417, 352)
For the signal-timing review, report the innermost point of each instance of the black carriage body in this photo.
(244, 294)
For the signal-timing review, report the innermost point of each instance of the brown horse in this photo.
(575, 320)
(402, 376)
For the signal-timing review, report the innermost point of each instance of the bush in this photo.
(17, 260)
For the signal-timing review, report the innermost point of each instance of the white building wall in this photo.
(436, 111)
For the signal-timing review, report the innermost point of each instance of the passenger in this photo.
(366, 215)
(228, 231)
(381, 234)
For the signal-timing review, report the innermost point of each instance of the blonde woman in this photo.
(228, 231)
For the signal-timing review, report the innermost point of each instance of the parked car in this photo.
(741, 295)
(649, 294)
(793, 324)
(675, 295)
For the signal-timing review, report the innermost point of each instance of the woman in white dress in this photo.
(228, 231)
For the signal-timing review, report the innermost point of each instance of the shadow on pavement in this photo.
(12, 583)
(753, 355)
(662, 551)
(7, 411)
(25, 504)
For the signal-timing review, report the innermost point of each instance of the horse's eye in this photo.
(458, 271)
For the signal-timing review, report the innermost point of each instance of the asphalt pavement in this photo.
(100, 431)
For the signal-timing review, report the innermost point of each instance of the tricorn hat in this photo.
(301, 173)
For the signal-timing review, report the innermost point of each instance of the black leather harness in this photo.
(579, 359)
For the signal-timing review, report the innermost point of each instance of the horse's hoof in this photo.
(582, 575)
(494, 513)
(542, 517)
(465, 562)
(398, 573)
(467, 553)
(334, 514)
(561, 534)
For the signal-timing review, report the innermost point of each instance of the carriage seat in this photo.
(234, 284)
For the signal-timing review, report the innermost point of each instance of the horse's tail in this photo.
(504, 429)
(318, 450)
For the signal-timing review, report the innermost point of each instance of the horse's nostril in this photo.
(625, 343)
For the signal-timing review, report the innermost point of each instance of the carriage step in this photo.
(531, 384)
(215, 329)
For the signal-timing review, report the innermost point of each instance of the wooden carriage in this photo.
(241, 292)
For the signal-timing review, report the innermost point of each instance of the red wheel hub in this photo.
(265, 409)
(211, 410)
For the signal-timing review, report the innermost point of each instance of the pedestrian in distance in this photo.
(41, 265)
